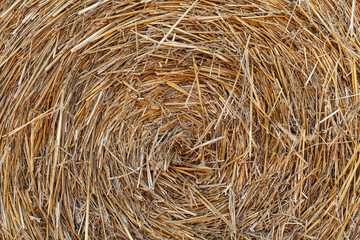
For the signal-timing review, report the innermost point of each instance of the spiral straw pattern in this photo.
(179, 119)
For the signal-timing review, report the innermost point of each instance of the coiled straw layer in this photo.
(179, 119)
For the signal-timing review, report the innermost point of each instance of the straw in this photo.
(179, 119)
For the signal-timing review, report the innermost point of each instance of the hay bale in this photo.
(179, 119)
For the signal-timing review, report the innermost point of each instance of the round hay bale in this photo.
(179, 119)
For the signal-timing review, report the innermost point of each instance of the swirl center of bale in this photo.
(171, 127)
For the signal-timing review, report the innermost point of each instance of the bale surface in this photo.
(179, 119)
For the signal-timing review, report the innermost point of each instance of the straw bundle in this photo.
(179, 119)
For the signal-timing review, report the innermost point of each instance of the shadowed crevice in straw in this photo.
(179, 119)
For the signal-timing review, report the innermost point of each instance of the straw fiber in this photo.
(129, 119)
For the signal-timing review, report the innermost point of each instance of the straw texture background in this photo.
(179, 119)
